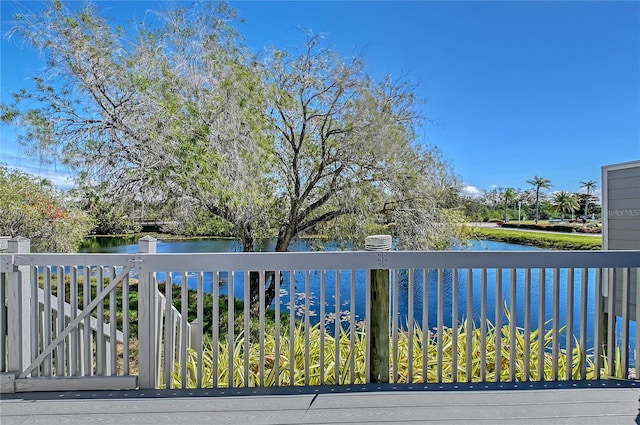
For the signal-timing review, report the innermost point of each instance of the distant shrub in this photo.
(565, 228)
(32, 207)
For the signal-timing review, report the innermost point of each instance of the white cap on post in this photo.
(378, 243)
(147, 245)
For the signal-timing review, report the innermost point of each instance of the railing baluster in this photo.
(35, 321)
(48, 314)
(60, 358)
(470, 326)
(198, 343)
(483, 326)
(261, 284)
(100, 339)
(352, 326)
(454, 326)
(246, 332)
(86, 324)
(527, 325)
(426, 339)
(498, 326)
(3, 322)
(584, 297)
(624, 348)
(307, 313)
(231, 327)
(541, 323)
(276, 282)
(569, 331)
(184, 321)
(159, 326)
(394, 323)
(513, 325)
(323, 328)
(367, 327)
(113, 326)
(555, 350)
(440, 330)
(215, 325)
(611, 320)
(410, 329)
(126, 362)
(597, 323)
(169, 357)
(292, 324)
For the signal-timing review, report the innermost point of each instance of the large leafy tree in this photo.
(539, 183)
(168, 111)
(33, 208)
(181, 110)
(346, 161)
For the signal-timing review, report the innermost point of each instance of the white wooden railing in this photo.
(559, 292)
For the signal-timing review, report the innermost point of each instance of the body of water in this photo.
(341, 281)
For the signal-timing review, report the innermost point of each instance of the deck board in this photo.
(464, 406)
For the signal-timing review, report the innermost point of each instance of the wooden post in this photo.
(379, 319)
(147, 293)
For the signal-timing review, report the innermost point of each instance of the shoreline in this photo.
(568, 242)
(540, 239)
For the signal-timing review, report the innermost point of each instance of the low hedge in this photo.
(565, 228)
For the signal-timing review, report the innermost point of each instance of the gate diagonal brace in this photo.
(75, 322)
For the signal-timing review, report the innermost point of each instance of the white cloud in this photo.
(471, 191)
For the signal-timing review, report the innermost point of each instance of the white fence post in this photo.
(18, 309)
(4, 243)
(147, 293)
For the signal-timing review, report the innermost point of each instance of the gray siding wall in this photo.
(621, 205)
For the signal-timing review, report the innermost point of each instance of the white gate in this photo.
(63, 330)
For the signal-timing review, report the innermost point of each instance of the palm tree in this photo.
(539, 183)
(565, 202)
(508, 195)
(587, 185)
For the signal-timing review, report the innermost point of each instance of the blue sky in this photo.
(514, 89)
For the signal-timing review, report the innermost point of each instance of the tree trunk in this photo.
(586, 205)
(282, 245)
(254, 290)
(537, 204)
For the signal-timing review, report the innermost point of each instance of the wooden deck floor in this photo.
(595, 403)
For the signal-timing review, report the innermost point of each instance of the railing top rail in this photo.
(342, 260)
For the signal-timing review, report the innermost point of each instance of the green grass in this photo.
(540, 239)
